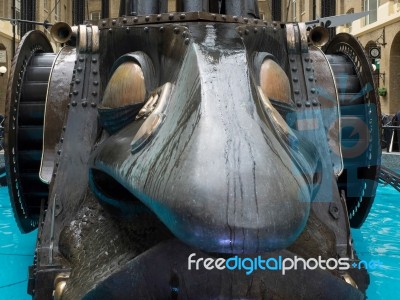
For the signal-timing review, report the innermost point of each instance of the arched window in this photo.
(349, 25)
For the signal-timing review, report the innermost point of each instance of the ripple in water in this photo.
(379, 239)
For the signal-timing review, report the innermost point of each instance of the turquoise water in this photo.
(378, 239)
(16, 253)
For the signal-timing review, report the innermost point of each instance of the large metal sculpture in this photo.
(157, 135)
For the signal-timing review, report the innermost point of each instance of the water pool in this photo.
(379, 238)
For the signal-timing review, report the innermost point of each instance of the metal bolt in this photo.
(124, 20)
(104, 23)
(246, 20)
(313, 90)
(93, 104)
(294, 69)
(94, 60)
(79, 69)
(114, 21)
(73, 103)
(78, 81)
(95, 83)
(171, 16)
(158, 17)
(94, 93)
(84, 103)
(146, 29)
(176, 30)
(308, 104)
(315, 102)
(75, 92)
(292, 59)
(147, 18)
(182, 16)
(161, 29)
(81, 59)
(187, 41)
(95, 72)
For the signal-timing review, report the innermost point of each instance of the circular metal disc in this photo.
(20, 134)
(361, 128)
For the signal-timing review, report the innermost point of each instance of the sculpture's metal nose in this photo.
(221, 171)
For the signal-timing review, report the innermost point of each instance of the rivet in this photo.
(95, 72)
(81, 59)
(294, 69)
(235, 18)
(171, 16)
(114, 21)
(182, 16)
(79, 69)
(255, 21)
(315, 102)
(311, 78)
(255, 30)
(104, 23)
(161, 29)
(94, 93)
(84, 103)
(274, 23)
(75, 92)
(297, 92)
(176, 30)
(124, 20)
(306, 59)
(62, 140)
(214, 16)
(93, 104)
(308, 104)
(109, 30)
(292, 59)
(295, 79)
(127, 29)
(246, 20)
(71, 83)
(64, 127)
(308, 69)
(73, 103)
(78, 81)
(146, 29)
(313, 90)
(224, 17)
(147, 18)
(299, 104)
(70, 95)
(246, 31)
(95, 83)
(187, 41)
